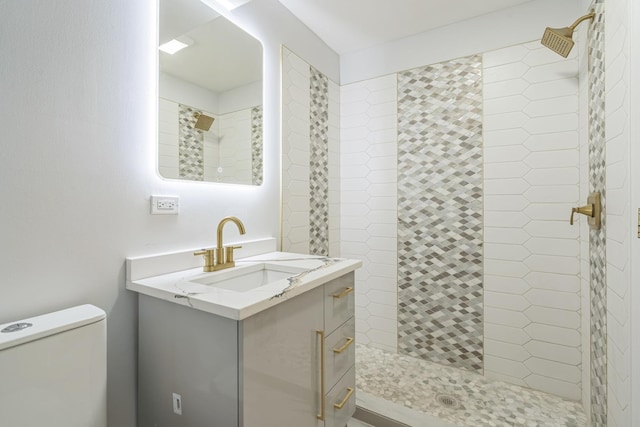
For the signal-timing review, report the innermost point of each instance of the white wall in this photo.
(179, 91)
(633, 40)
(77, 164)
(619, 212)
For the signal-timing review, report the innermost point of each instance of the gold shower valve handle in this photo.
(587, 210)
(593, 211)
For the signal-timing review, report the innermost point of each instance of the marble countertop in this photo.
(181, 287)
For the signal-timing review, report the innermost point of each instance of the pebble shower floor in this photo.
(457, 396)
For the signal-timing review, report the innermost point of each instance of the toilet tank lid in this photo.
(48, 324)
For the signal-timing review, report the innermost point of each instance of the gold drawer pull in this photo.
(346, 398)
(346, 292)
(320, 416)
(344, 347)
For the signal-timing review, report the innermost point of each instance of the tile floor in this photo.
(410, 389)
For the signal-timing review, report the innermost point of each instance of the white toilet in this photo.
(53, 370)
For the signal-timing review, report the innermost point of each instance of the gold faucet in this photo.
(223, 257)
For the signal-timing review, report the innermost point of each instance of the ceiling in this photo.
(350, 25)
(345, 25)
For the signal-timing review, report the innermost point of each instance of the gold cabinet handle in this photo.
(345, 400)
(320, 416)
(344, 347)
(345, 292)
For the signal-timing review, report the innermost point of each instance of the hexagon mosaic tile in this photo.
(597, 238)
(476, 401)
(440, 213)
(191, 145)
(319, 164)
(257, 146)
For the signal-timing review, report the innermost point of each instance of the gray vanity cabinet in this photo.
(263, 371)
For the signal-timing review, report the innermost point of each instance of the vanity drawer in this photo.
(338, 302)
(340, 352)
(341, 401)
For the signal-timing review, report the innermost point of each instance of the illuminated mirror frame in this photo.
(199, 129)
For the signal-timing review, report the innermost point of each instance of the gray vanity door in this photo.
(191, 353)
(280, 375)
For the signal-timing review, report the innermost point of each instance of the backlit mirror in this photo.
(210, 97)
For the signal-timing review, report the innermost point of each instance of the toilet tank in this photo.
(53, 370)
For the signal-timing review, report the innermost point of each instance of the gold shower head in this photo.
(204, 122)
(560, 40)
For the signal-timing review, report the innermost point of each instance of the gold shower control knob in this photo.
(592, 210)
(584, 210)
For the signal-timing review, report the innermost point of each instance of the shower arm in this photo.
(582, 18)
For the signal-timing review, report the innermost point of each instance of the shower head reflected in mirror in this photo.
(203, 122)
(560, 40)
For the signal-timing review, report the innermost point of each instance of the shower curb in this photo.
(376, 419)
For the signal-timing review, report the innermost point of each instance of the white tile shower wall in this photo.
(368, 177)
(585, 307)
(311, 162)
(532, 285)
(211, 152)
(617, 82)
(334, 169)
(235, 150)
(295, 153)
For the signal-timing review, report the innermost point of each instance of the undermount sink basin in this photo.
(246, 278)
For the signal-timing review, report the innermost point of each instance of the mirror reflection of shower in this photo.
(199, 145)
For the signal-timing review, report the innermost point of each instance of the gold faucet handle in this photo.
(229, 253)
(208, 258)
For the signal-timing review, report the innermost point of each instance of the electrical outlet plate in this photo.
(165, 205)
(177, 404)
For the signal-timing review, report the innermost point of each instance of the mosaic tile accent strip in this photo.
(416, 383)
(440, 296)
(319, 164)
(257, 146)
(190, 145)
(597, 238)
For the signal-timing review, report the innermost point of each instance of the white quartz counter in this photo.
(182, 287)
